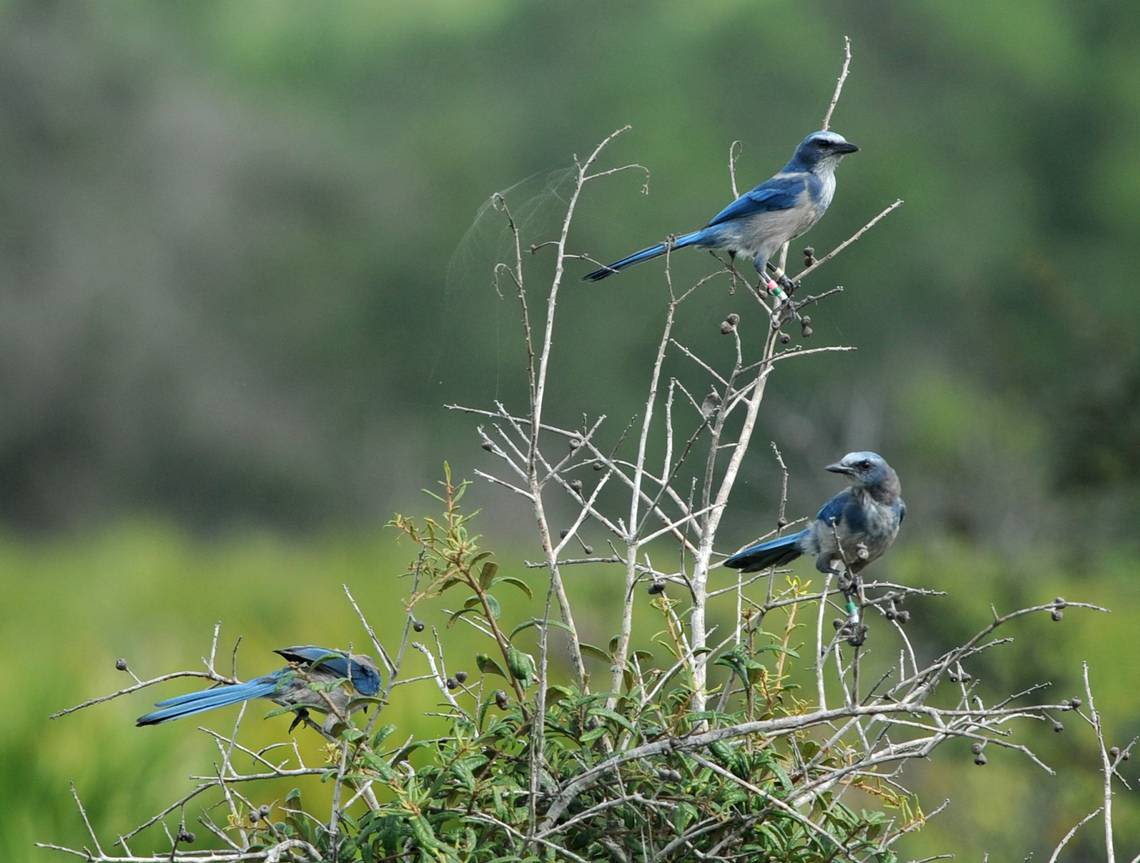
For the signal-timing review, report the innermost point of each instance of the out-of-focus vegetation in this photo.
(225, 239)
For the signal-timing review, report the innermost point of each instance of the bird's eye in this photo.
(864, 465)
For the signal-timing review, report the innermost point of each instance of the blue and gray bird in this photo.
(291, 686)
(758, 223)
(865, 515)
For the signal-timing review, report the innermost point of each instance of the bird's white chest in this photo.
(826, 192)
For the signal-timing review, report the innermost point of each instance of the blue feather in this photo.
(208, 699)
(774, 552)
(695, 238)
(781, 192)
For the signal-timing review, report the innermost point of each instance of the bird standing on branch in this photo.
(758, 223)
(855, 527)
(303, 685)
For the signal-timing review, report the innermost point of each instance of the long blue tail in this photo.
(692, 239)
(774, 552)
(208, 699)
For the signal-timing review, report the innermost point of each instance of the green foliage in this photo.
(476, 789)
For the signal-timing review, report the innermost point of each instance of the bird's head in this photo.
(867, 470)
(822, 149)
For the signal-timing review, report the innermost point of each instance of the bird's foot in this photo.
(787, 284)
(784, 306)
(857, 634)
(853, 629)
(300, 716)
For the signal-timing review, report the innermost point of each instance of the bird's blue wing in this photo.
(308, 653)
(832, 511)
(779, 193)
(364, 678)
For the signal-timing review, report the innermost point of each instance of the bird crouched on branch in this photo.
(856, 527)
(307, 683)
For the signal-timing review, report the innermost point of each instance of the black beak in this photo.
(845, 148)
(840, 468)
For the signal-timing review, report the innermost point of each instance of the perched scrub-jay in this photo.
(865, 515)
(290, 686)
(758, 223)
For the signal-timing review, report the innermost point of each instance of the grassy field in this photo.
(152, 595)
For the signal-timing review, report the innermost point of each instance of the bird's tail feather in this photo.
(774, 552)
(691, 239)
(208, 699)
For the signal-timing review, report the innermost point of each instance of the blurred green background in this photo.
(241, 271)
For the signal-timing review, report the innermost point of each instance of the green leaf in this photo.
(517, 582)
(778, 648)
(556, 692)
(593, 734)
(455, 615)
(615, 717)
(521, 665)
(534, 621)
(487, 574)
(487, 665)
(595, 651)
(493, 604)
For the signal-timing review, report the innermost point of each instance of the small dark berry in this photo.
(488, 446)
(807, 332)
(1057, 614)
(565, 532)
(781, 523)
(418, 625)
(576, 485)
(892, 614)
(599, 465)
(1058, 727)
(1075, 702)
(862, 552)
(785, 338)
(733, 318)
(980, 759)
(1114, 752)
(263, 810)
(186, 836)
(837, 623)
(451, 683)
(903, 616)
(461, 676)
(588, 549)
(501, 699)
(1127, 754)
(726, 328)
(806, 319)
(1059, 601)
(954, 678)
(657, 587)
(120, 664)
(977, 748)
(575, 442)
